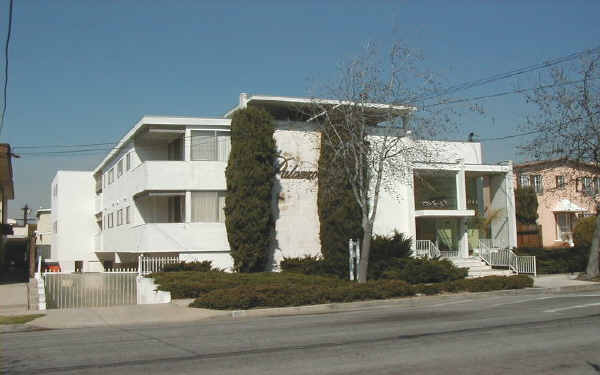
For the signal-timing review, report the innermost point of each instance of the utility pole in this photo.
(25, 212)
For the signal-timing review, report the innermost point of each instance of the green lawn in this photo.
(19, 319)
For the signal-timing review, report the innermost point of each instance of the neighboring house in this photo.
(6, 193)
(566, 192)
(161, 191)
(43, 235)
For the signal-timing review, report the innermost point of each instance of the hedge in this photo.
(220, 290)
(252, 296)
(558, 260)
(203, 266)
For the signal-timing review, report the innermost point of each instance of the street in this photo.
(463, 334)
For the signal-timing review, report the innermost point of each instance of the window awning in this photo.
(565, 205)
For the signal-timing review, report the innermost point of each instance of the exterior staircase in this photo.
(478, 268)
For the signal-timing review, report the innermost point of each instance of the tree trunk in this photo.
(592, 266)
(365, 250)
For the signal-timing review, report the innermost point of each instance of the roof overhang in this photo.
(565, 205)
(313, 106)
(164, 122)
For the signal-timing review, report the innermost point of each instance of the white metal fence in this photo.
(494, 256)
(76, 290)
(426, 248)
(147, 265)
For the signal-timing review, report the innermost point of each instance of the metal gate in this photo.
(74, 290)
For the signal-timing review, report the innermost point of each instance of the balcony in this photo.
(178, 175)
(168, 237)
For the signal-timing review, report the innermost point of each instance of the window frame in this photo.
(120, 168)
(560, 181)
(218, 217)
(214, 134)
(524, 178)
(538, 186)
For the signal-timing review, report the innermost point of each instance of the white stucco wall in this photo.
(296, 214)
(73, 211)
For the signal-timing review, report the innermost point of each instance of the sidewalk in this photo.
(13, 299)
(178, 311)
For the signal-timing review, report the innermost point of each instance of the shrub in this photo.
(309, 265)
(250, 176)
(558, 260)
(584, 231)
(526, 205)
(420, 270)
(204, 266)
(384, 249)
(311, 290)
(339, 214)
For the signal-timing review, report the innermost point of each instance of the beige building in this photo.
(566, 192)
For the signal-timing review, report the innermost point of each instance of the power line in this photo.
(10, 12)
(64, 146)
(510, 92)
(509, 74)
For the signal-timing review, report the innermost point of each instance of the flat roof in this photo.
(293, 103)
(158, 120)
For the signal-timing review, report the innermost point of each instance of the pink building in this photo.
(566, 192)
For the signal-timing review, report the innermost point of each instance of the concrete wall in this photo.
(73, 211)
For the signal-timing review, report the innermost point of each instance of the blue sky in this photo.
(85, 71)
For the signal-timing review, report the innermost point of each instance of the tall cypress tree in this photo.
(250, 176)
(339, 214)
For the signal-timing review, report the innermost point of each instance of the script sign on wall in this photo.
(288, 172)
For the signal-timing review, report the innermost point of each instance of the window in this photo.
(128, 161)
(208, 206)
(127, 220)
(588, 186)
(538, 183)
(524, 180)
(55, 227)
(210, 145)
(110, 220)
(176, 209)
(120, 168)
(560, 182)
(111, 176)
(120, 217)
(564, 226)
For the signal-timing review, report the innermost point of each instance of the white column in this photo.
(461, 191)
(188, 206)
(187, 145)
(463, 242)
(510, 205)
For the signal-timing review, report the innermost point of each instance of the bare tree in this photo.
(566, 126)
(374, 128)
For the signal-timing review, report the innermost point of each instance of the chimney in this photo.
(243, 100)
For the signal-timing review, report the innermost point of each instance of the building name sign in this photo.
(435, 203)
(292, 173)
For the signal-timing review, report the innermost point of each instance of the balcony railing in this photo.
(178, 175)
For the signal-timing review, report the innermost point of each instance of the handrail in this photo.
(427, 249)
(506, 258)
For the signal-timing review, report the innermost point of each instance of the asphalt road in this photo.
(549, 334)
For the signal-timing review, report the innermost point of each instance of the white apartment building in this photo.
(161, 191)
